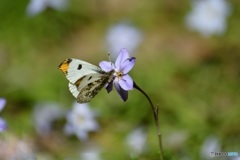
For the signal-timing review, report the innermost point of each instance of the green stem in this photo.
(155, 114)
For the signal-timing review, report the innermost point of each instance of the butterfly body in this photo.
(85, 79)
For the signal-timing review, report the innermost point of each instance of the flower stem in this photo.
(155, 114)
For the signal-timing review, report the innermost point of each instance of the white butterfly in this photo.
(85, 79)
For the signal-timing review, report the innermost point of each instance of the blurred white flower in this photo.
(211, 144)
(176, 139)
(44, 114)
(13, 148)
(136, 141)
(208, 16)
(37, 6)
(3, 124)
(80, 121)
(121, 36)
(91, 154)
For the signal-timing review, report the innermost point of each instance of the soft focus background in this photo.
(187, 60)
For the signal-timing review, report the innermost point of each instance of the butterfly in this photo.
(85, 79)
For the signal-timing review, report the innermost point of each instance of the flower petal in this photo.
(123, 94)
(2, 103)
(3, 125)
(68, 129)
(90, 125)
(82, 135)
(106, 66)
(109, 87)
(128, 65)
(126, 82)
(35, 7)
(123, 55)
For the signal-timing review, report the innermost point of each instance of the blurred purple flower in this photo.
(208, 16)
(123, 34)
(122, 81)
(3, 124)
(37, 6)
(80, 121)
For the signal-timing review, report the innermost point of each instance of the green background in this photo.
(195, 80)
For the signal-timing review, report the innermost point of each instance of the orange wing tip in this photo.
(65, 65)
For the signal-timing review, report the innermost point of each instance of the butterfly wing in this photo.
(82, 82)
(86, 80)
(74, 69)
(90, 87)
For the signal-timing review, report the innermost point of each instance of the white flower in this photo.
(136, 141)
(80, 121)
(37, 6)
(211, 144)
(208, 16)
(91, 154)
(12, 148)
(176, 139)
(236, 158)
(44, 114)
(123, 36)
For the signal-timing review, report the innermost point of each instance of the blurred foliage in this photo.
(194, 80)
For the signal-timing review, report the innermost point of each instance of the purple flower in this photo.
(3, 124)
(122, 81)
